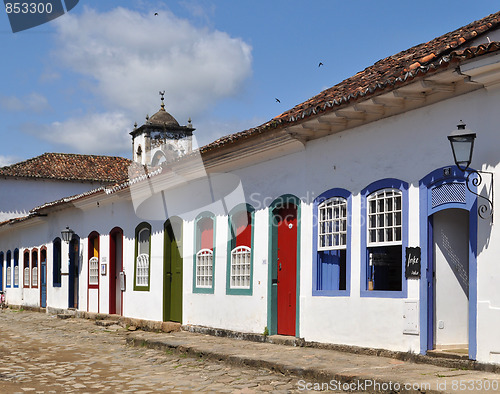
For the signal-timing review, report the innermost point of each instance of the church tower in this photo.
(161, 138)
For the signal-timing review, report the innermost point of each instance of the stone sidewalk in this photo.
(322, 369)
(309, 367)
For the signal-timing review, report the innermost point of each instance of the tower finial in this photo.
(162, 98)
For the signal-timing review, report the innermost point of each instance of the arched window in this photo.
(93, 249)
(16, 267)
(26, 270)
(331, 272)
(204, 253)
(8, 269)
(34, 268)
(240, 254)
(384, 238)
(142, 256)
(56, 262)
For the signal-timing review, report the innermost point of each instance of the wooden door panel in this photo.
(287, 269)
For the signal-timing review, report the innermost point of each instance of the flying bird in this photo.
(320, 64)
(156, 13)
(277, 100)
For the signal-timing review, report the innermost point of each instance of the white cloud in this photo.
(33, 102)
(128, 57)
(8, 160)
(101, 133)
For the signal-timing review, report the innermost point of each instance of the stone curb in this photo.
(158, 326)
(438, 360)
(311, 373)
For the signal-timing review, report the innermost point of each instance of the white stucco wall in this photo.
(405, 147)
(18, 196)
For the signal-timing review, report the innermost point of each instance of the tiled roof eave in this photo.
(448, 61)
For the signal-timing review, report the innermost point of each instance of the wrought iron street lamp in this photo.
(67, 234)
(462, 146)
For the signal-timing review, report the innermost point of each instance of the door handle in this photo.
(280, 266)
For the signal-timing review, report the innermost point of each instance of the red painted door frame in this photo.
(113, 235)
(287, 269)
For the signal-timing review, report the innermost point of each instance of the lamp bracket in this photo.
(475, 178)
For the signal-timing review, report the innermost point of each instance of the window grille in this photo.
(332, 224)
(26, 276)
(34, 277)
(204, 267)
(240, 267)
(9, 276)
(142, 274)
(384, 218)
(94, 271)
(16, 275)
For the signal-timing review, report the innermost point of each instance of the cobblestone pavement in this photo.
(40, 353)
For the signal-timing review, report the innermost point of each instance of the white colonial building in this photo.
(343, 220)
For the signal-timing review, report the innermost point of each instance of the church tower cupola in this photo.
(161, 138)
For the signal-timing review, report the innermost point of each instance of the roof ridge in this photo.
(384, 73)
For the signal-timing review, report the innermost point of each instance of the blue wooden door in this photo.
(43, 284)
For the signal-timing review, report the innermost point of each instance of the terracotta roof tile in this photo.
(383, 75)
(70, 167)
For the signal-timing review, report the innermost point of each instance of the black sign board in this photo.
(412, 263)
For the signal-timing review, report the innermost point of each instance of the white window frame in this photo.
(8, 281)
(16, 275)
(26, 277)
(204, 268)
(94, 271)
(34, 277)
(333, 211)
(241, 265)
(385, 219)
(142, 273)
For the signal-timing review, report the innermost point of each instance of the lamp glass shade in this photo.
(67, 234)
(462, 145)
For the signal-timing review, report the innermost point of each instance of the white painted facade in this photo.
(407, 146)
(19, 196)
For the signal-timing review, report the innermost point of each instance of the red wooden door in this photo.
(287, 269)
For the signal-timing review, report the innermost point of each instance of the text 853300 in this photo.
(28, 8)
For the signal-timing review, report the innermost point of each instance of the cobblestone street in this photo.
(44, 354)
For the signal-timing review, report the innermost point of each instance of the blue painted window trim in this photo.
(197, 243)
(8, 263)
(16, 264)
(373, 187)
(436, 178)
(231, 245)
(336, 192)
(56, 262)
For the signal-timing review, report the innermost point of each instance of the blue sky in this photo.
(78, 84)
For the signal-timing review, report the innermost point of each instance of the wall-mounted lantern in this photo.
(462, 146)
(67, 234)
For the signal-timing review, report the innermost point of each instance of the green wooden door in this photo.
(172, 295)
(176, 287)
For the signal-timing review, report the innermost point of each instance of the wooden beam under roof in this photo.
(386, 101)
(407, 95)
(370, 108)
(437, 87)
(351, 114)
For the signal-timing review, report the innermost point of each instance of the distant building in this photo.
(161, 139)
(52, 176)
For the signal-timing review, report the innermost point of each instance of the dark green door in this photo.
(172, 294)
